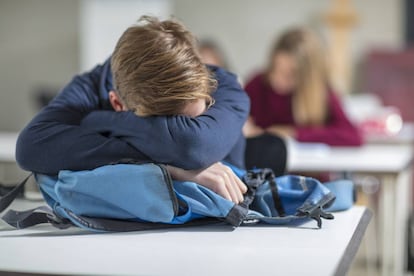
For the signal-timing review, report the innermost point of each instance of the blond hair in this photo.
(157, 69)
(309, 102)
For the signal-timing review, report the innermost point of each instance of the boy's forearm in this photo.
(72, 134)
(189, 143)
(54, 139)
(48, 147)
(175, 141)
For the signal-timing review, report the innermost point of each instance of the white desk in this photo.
(391, 163)
(368, 158)
(8, 146)
(211, 250)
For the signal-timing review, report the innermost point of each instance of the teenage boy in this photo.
(171, 109)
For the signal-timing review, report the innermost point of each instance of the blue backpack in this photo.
(132, 197)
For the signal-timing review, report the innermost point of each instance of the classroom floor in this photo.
(360, 267)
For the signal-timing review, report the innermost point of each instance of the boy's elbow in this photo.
(29, 155)
(23, 154)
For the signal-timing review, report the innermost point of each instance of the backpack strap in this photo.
(28, 218)
(24, 219)
(253, 179)
(8, 198)
(277, 202)
(43, 214)
(114, 225)
(238, 214)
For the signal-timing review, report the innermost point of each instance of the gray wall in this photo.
(39, 40)
(246, 28)
(38, 47)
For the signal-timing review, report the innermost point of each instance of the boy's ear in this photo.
(116, 102)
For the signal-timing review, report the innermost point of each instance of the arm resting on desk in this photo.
(182, 141)
(58, 139)
(54, 141)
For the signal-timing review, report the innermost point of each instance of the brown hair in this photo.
(310, 99)
(157, 69)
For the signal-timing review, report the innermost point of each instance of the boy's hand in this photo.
(218, 178)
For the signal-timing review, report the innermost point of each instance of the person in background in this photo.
(292, 98)
(212, 54)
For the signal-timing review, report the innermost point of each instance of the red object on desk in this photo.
(386, 123)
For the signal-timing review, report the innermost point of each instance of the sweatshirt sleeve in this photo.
(182, 141)
(253, 89)
(338, 131)
(54, 139)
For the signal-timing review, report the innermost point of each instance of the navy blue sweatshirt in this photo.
(79, 130)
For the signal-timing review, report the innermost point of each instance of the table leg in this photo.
(371, 240)
(403, 209)
(387, 221)
(393, 218)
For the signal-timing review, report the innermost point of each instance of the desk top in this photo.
(405, 136)
(8, 146)
(371, 158)
(211, 250)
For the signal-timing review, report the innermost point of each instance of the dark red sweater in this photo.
(271, 108)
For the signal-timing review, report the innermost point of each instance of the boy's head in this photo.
(158, 71)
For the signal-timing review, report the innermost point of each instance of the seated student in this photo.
(211, 53)
(292, 98)
(171, 109)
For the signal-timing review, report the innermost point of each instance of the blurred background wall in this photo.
(39, 49)
(246, 29)
(103, 21)
(45, 42)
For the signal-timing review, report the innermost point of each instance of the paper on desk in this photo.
(307, 149)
